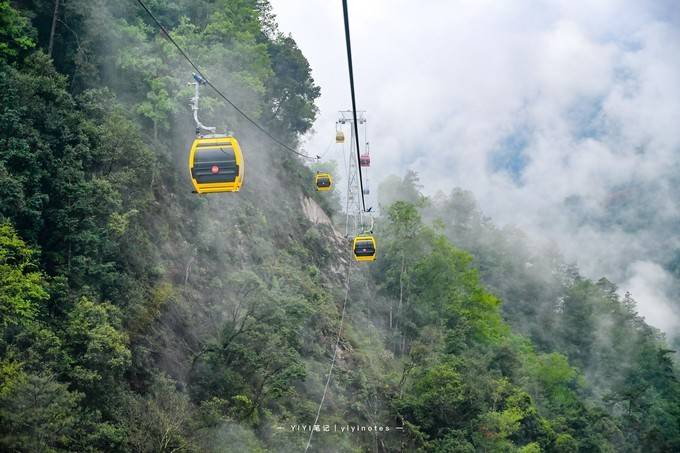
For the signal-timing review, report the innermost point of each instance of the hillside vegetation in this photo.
(137, 316)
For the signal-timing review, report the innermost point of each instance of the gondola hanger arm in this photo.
(198, 81)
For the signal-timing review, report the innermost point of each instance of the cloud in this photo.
(560, 115)
(651, 283)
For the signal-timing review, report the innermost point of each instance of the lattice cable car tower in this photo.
(354, 221)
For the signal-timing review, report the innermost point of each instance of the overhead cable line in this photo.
(363, 203)
(335, 353)
(219, 93)
(354, 103)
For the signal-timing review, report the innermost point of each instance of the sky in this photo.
(561, 116)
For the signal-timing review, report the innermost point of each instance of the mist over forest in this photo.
(138, 316)
(560, 116)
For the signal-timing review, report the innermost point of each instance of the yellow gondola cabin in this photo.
(364, 248)
(323, 181)
(216, 164)
(339, 137)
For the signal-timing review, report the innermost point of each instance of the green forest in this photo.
(137, 316)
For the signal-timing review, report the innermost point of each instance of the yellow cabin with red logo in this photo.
(216, 164)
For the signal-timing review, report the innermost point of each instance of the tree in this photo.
(99, 349)
(21, 284)
(291, 89)
(401, 236)
(157, 106)
(160, 420)
(16, 35)
(37, 413)
(407, 189)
